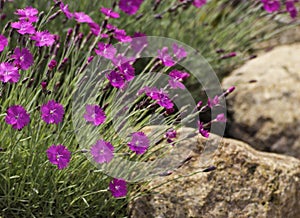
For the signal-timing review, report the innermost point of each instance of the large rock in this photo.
(246, 183)
(264, 111)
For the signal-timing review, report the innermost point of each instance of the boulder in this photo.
(245, 183)
(264, 109)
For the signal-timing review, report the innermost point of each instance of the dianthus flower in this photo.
(17, 116)
(102, 151)
(59, 155)
(23, 59)
(94, 114)
(52, 112)
(139, 143)
(118, 188)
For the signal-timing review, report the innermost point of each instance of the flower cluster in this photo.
(18, 117)
(274, 5)
(40, 50)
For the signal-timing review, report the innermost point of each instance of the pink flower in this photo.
(28, 14)
(9, 73)
(106, 50)
(221, 118)
(202, 131)
(139, 42)
(121, 36)
(109, 13)
(59, 155)
(176, 77)
(271, 5)
(213, 102)
(65, 9)
(199, 3)
(43, 38)
(121, 59)
(139, 143)
(116, 79)
(23, 27)
(130, 6)
(52, 64)
(95, 28)
(170, 135)
(17, 116)
(179, 52)
(23, 59)
(160, 96)
(94, 114)
(290, 7)
(3, 42)
(102, 151)
(164, 56)
(81, 17)
(52, 112)
(118, 188)
(127, 71)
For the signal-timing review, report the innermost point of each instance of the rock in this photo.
(246, 183)
(264, 109)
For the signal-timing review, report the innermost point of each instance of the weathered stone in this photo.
(246, 183)
(264, 109)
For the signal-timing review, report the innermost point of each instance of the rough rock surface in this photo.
(264, 111)
(246, 183)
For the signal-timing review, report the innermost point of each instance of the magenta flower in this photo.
(59, 155)
(81, 17)
(94, 114)
(179, 52)
(170, 135)
(202, 131)
(52, 64)
(139, 42)
(213, 102)
(127, 71)
(164, 101)
(118, 188)
(139, 143)
(121, 59)
(290, 7)
(179, 75)
(17, 116)
(28, 14)
(130, 6)
(176, 77)
(199, 3)
(95, 28)
(23, 27)
(106, 50)
(116, 79)
(52, 112)
(271, 5)
(102, 151)
(121, 36)
(160, 96)
(9, 73)
(221, 118)
(43, 38)
(3, 42)
(164, 56)
(23, 59)
(109, 26)
(109, 13)
(65, 9)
